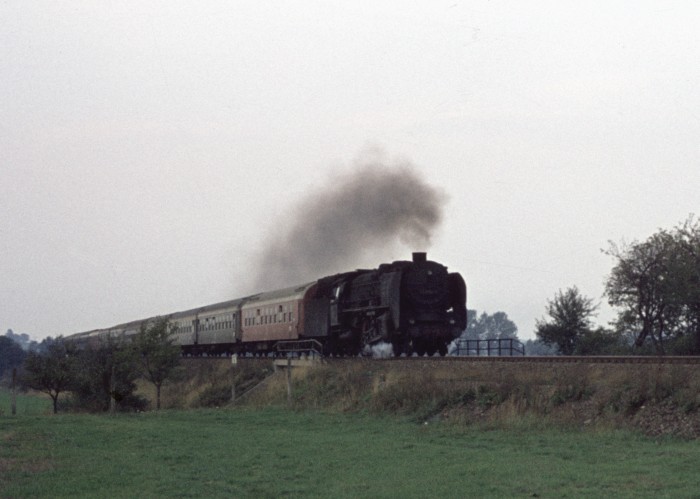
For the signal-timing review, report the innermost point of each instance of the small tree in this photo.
(107, 376)
(158, 356)
(52, 371)
(538, 348)
(488, 327)
(11, 354)
(498, 326)
(602, 341)
(570, 319)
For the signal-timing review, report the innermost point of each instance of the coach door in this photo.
(195, 331)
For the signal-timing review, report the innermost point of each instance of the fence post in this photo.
(14, 391)
(112, 404)
(289, 380)
(234, 361)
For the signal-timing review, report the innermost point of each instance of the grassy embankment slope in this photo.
(652, 398)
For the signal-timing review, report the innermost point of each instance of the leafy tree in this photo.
(107, 376)
(22, 340)
(601, 341)
(498, 326)
(570, 319)
(53, 370)
(11, 354)
(687, 272)
(639, 285)
(485, 326)
(538, 348)
(656, 285)
(157, 355)
(473, 330)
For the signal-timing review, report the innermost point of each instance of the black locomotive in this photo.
(415, 306)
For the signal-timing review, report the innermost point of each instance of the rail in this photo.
(551, 359)
(505, 347)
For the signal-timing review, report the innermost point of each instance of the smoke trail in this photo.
(368, 210)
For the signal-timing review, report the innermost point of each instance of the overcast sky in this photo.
(151, 151)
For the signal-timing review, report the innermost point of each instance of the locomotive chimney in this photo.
(419, 257)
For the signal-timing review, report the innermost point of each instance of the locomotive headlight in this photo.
(452, 321)
(411, 321)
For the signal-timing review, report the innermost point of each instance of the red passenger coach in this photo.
(274, 316)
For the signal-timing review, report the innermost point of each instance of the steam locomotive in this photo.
(416, 306)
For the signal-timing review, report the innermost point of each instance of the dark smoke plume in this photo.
(358, 214)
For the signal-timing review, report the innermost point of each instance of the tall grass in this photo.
(568, 395)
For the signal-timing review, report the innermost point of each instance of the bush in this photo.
(215, 396)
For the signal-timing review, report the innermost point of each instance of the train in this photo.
(416, 306)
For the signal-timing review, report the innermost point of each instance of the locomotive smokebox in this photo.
(419, 257)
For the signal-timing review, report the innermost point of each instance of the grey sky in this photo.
(148, 150)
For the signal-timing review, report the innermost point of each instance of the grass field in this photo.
(278, 453)
(27, 405)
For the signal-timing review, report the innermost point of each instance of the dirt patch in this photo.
(667, 418)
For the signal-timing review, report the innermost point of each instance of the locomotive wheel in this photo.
(330, 348)
(442, 349)
(401, 346)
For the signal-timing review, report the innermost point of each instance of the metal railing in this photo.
(506, 347)
(300, 348)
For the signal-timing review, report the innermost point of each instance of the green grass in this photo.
(276, 453)
(27, 405)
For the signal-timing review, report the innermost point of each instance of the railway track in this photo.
(623, 359)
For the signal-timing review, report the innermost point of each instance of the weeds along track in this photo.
(655, 395)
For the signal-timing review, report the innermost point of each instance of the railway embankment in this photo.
(654, 398)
